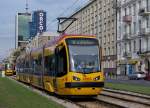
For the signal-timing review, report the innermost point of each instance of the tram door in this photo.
(56, 68)
(60, 66)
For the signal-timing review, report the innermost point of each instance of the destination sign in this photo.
(82, 41)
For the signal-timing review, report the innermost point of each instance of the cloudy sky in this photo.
(9, 8)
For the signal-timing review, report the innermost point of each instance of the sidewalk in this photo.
(117, 77)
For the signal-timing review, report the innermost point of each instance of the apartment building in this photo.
(133, 36)
(98, 17)
(40, 39)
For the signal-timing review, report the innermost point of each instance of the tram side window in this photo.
(61, 62)
(38, 65)
(26, 66)
(23, 66)
(47, 62)
(39, 61)
(49, 65)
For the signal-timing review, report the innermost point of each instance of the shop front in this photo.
(127, 66)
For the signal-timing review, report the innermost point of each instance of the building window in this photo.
(105, 39)
(130, 12)
(125, 46)
(125, 28)
(100, 4)
(148, 22)
(109, 51)
(119, 32)
(140, 26)
(108, 12)
(109, 38)
(125, 11)
(140, 4)
(134, 9)
(105, 53)
(108, 25)
(134, 29)
(100, 28)
(104, 14)
(119, 15)
(113, 51)
(104, 2)
(107, 64)
(129, 46)
(112, 24)
(112, 12)
(130, 31)
(134, 44)
(148, 5)
(105, 27)
(140, 45)
(119, 49)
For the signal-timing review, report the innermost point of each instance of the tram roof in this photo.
(58, 39)
(64, 36)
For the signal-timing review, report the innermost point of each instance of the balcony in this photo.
(144, 12)
(127, 18)
(145, 31)
(126, 36)
(127, 55)
(143, 51)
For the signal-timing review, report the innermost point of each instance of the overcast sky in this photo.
(9, 8)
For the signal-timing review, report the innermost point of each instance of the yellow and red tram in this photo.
(68, 65)
(9, 69)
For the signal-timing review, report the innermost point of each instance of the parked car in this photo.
(137, 75)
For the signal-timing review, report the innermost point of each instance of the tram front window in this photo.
(84, 58)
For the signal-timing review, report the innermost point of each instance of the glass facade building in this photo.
(22, 29)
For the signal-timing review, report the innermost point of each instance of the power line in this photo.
(69, 8)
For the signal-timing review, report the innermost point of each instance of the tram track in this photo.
(64, 102)
(67, 102)
(125, 99)
(107, 99)
(96, 103)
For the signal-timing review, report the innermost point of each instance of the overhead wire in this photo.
(54, 21)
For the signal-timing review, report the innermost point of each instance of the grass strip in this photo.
(129, 87)
(13, 95)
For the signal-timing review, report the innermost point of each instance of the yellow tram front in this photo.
(84, 76)
(9, 69)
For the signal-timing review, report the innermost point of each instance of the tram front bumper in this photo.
(83, 84)
(83, 88)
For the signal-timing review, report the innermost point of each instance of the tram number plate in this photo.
(87, 78)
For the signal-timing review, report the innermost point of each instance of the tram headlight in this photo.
(97, 78)
(76, 78)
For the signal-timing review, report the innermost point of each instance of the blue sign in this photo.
(38, 24)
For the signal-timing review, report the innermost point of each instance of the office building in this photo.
(22, 29)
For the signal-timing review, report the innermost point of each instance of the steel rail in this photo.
(125, 99)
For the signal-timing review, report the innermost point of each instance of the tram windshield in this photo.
(84, 55)
(8, 66)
